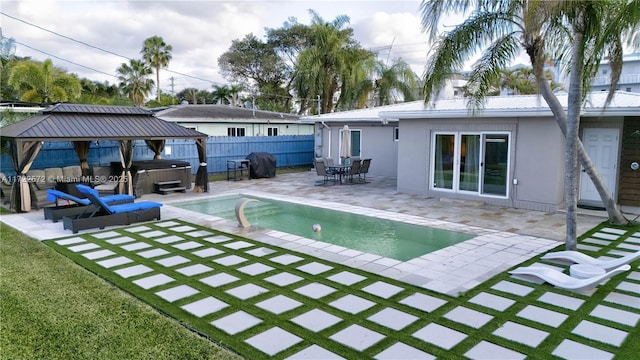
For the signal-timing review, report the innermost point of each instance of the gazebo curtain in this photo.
(22, 155)
(126, 159)
(202, 176)
(82, 149)
(157, 146)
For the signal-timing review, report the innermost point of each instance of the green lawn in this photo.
(51, 308)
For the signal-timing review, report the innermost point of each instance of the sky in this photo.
(93, 38)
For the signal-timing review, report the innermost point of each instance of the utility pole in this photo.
(318, 104)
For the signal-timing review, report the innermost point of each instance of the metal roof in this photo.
(623, 103)
(213, 113)
(75, 122)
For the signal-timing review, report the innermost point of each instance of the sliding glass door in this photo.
(471, 163)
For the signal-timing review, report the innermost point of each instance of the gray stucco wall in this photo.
(376, 143)
(536, 151)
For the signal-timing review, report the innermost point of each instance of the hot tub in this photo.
(151, 172)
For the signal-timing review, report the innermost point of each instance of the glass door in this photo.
(496, 155)
(444, 154)
(469, 163)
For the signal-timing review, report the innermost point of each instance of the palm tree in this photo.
(542, 29)
(157, 54)
(321, 67)
(134, 81)
(221, 94)
(44, 83)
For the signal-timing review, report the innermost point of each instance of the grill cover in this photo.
(262, 165)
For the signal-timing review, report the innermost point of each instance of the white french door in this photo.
(471, 163)
(602, 147)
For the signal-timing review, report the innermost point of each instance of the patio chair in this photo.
(76, 206)
(564, 281)
(321, 170)
(354, 170)
(364, 169)
(109, 215)
(580, 258)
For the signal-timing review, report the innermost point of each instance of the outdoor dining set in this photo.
(353, 171)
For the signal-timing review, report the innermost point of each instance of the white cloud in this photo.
(198, 31)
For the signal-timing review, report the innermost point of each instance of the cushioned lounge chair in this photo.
(580, 258)
(76, 206)
(109, 215)
(564, 281)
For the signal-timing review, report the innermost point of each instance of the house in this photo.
(224, 120)
(629, 76)
(510, 153)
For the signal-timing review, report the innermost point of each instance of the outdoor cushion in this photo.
(53, 195)
(93, 195)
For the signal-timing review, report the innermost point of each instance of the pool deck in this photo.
(505, 236)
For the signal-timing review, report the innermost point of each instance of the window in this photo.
(396, 133)
(272, 131)
(471, 162)
(628, 90)
(235, 132)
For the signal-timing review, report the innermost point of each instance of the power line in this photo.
(93, 47)
(59, 58)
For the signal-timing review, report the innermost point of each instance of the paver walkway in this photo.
(238, 290)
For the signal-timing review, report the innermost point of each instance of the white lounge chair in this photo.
(580, 258)
(564, 281)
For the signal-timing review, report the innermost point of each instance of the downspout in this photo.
(329, 142)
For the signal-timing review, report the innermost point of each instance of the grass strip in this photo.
(323, 338)
(51, 308)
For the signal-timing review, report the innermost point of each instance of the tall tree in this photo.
(256, 65)
(134, 80)
(546, 30)
(157, 54)
(43, 83)
(322, 67)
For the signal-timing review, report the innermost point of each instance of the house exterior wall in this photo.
(629, 76)
(535, 146)
(377, 144)
(251, 129)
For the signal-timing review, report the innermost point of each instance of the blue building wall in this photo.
(293, 150)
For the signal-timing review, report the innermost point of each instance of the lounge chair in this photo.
(76, 206)
(108, 215)
(564, 281)
(580, 258)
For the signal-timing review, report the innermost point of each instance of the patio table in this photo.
(339, 169)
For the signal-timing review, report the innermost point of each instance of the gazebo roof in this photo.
(80, 122)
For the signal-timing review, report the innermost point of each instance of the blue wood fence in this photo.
(290, 150)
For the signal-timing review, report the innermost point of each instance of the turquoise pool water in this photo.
(392, 239)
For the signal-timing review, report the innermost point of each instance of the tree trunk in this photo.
(537, 61)
(574, 104)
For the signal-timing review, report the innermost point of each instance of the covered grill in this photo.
(261, 165)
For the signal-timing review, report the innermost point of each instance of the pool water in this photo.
(387, 238)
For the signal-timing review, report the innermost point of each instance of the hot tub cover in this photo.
(262, 165)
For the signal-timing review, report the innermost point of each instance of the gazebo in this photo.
(81, 124)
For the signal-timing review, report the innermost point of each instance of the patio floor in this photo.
(506, 237)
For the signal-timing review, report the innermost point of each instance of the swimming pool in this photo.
(391, 239)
